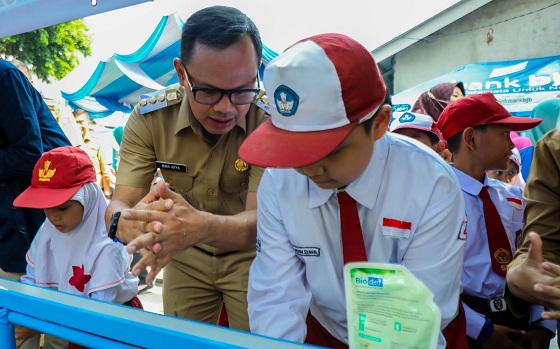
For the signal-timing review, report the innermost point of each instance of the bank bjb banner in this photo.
(518, 85)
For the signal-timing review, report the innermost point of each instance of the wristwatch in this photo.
(114, 224)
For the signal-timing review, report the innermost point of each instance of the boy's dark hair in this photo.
(433, 138)
(218, 27)
(454, 143)
(368, 124)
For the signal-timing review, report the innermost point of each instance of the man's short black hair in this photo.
(218, 27)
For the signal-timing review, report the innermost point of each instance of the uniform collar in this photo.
(468, 184)
(365, 188)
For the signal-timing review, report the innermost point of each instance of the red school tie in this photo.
(353, 247)
(498, 242)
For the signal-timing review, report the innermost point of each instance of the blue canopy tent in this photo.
(117, 83)
(518, 85)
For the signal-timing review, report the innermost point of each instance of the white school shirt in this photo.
(299, 263)
(478, 278)
(83, 261)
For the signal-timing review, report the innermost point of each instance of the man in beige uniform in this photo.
(99, 152)
(534, 274)
(192, 132)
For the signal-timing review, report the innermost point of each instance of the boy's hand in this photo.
(536, 338)
(501, 338)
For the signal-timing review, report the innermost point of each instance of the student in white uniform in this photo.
(72, 252)
(420, 127)
(328, 134)
(477, 129)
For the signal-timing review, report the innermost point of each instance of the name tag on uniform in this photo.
(171, 166)
(307, 251)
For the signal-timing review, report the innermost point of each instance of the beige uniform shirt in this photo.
(542, 206)
(210, 176)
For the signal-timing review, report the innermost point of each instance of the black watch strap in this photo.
(113, 225)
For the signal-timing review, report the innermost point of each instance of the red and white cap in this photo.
(415, 121)
(319, 90)
(476, 110)
(57, 176)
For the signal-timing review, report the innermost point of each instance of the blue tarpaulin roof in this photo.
(117, 83)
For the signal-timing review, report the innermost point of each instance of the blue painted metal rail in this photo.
(102, 325)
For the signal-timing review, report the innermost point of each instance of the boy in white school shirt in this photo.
(422, 128)
(477, 129)
(328, 135)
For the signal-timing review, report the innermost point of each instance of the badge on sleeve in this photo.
(463, 231)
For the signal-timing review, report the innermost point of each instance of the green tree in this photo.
(50, 52)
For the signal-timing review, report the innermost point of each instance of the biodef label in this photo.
(388, 307)
(370, 281)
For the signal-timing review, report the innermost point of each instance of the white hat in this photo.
(320, 89)
(415, 121)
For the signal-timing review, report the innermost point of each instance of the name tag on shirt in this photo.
(307, 251)
(171, 166)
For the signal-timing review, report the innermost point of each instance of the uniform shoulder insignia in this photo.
(262, 102)
(160, 99)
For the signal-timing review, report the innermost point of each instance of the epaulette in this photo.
(262, 101)
(160, 99)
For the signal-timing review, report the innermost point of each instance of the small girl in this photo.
(512, 174)
(71, 251)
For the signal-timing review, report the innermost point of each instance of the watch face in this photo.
(115, 217)
(114, 224)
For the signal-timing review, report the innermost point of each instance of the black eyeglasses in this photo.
(211, 96)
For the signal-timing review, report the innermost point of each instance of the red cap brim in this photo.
(45, 197)
(270, 146)
(518, 123)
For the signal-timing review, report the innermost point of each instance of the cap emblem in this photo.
(45, 174)
(407, 117)
(287, 100)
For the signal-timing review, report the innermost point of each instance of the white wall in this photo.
(521, 29)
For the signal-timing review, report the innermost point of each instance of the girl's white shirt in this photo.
(83, 261)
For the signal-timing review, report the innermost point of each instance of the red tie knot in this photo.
(484, 193)
(344, 198)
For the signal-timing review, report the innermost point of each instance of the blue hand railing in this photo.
(102, 325)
